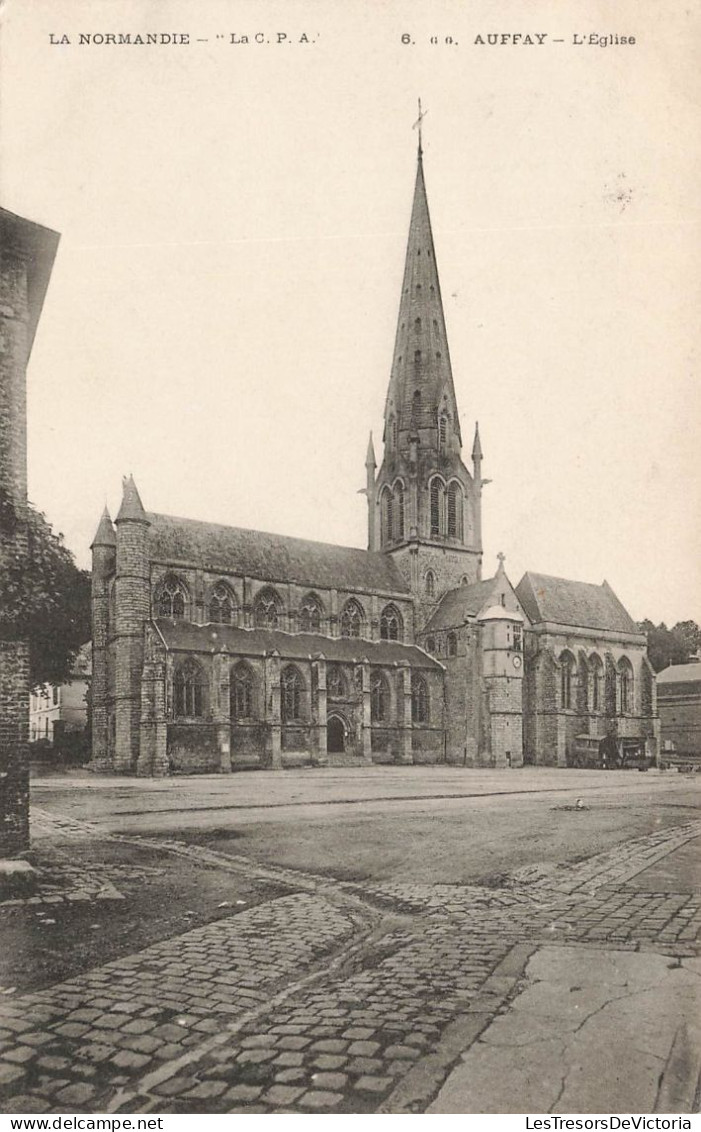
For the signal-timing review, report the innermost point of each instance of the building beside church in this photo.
(680, 707)
(217, 648)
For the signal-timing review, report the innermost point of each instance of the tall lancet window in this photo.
(437, 503)
(442, 431)
(435, 508)
(399, 511)
(454, 511)
(387, 516)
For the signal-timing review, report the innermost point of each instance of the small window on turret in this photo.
(417, 324)
(417, 355)
(430, 584)
(518, 638)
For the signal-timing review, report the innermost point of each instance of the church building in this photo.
(217, 648)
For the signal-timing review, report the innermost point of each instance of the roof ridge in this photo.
(266, 534)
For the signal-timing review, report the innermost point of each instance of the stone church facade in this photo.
(217, 648)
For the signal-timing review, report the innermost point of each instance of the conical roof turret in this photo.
(131, 508)
(105, 534)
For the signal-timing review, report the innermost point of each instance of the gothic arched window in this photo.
(379, 698)
(454, 511)
(352, 619)
(419, 699)
(625, 676)
(387, 516)
(310, 614)
(172, 598)
(452, 644)
(335, 683)
(390, 624)
(596, 669)
(437, 492)
(566, 680)
(221, 605)
(266, 610)
(431, 644)
(430, 583)
(292, 686)
(189, 689)
(399, 510)
(241, 695)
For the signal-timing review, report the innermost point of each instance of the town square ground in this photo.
(397, 940)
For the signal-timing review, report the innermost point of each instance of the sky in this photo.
(233, 218)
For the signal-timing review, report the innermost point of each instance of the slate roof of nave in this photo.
(459, 604)
(293, 646)
(581, 604)
(270, 557)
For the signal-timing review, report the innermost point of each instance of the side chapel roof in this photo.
(582, 604)
(183, 635)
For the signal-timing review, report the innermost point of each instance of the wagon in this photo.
(610, 752)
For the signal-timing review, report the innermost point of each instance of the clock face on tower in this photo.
(517, 662)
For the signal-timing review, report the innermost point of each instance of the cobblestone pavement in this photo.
(341, 997)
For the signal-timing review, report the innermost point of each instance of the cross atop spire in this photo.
(417, 126)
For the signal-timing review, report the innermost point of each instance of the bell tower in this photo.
(424, 507)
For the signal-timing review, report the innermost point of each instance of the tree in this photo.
(671, 646)
(689, 635)
(45, 601)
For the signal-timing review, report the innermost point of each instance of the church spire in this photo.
(421, 384)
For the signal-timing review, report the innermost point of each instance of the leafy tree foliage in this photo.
(45, 600)
(671, 646)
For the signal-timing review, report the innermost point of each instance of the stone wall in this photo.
(14, 724)
(26, 257)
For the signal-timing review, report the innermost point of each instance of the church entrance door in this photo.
(335, 735)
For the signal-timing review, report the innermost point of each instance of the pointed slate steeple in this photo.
(421, 384)
(424, 501)
(131, 507)
(105, 533)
